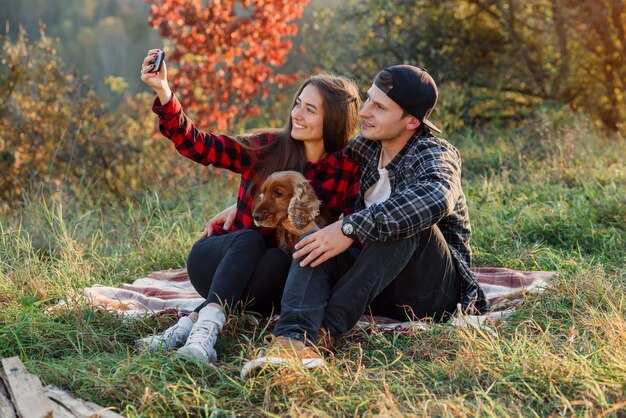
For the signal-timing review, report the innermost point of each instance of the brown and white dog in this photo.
(286, 201)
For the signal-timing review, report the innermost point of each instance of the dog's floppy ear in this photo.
(304, 205)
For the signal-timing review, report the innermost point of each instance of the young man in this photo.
(411, 220)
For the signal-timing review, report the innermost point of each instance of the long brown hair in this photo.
(341, 103)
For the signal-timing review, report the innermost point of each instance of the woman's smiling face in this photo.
(307, 116)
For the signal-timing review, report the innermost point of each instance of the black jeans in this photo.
(238, 267)
(412, 278)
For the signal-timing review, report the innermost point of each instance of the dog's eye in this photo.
(277, 195)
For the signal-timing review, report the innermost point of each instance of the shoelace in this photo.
(173, 330)
(203, 332)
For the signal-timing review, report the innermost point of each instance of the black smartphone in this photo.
(158, 62)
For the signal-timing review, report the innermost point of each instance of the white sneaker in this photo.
(171, 338)
(201, 342)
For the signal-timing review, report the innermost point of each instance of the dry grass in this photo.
(556, 203)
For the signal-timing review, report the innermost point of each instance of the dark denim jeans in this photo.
(412, 278)
(237, 267)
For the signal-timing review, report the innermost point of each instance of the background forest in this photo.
(70, 73)
(532, 92)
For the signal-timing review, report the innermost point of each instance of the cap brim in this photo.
(431, 125)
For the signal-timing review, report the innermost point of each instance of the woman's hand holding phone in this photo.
(158, 79)
(157, 62)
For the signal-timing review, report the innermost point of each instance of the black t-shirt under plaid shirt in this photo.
(426, 190)
(335, 178)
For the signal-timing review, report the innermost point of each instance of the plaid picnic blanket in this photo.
(171, 291)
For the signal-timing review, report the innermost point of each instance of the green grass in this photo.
(548, 195)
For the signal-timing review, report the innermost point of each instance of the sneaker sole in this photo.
(254, 366)
(193, 354)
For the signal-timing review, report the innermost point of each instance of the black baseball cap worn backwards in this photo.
(413, 89)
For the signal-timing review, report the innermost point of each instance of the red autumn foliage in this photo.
(227, 52)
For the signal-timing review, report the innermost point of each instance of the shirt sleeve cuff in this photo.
(363, 225)
(170, 108)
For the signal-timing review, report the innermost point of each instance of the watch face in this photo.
(347, 229)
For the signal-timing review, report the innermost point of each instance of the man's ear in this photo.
(413, 123)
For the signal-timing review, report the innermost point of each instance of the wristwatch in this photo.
(348, 229)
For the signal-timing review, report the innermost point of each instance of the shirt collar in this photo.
(393, 164)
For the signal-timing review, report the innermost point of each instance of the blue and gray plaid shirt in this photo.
(426, 190)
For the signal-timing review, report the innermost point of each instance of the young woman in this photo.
(227, 267)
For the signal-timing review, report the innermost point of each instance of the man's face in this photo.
(382, 117)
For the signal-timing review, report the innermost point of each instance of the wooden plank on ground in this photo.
(26, 390)
(59, 411)
(6, 407)
(78, 407)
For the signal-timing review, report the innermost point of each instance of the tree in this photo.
(599, 26)
(227, 52)
(571, 51)
(55, 133)
(499, 57)
(456, 45)
(99, 38)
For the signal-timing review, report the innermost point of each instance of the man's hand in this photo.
(322, 245)
(224, 218)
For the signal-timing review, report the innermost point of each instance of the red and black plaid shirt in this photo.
(335, 178)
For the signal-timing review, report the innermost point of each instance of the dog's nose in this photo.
(257, 216)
